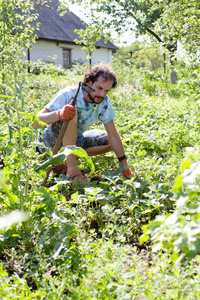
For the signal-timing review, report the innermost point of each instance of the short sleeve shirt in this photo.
(88, 113)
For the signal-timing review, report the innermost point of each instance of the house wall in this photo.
(45, 50)
(102, 55)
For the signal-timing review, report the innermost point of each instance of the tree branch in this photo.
(139, 22)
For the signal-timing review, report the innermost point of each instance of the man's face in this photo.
(101, 89)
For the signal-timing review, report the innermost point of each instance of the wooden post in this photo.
(28, 56)
(164, 56)
(131, 54)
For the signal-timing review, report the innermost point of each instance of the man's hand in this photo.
(128, 173)
(67, 112)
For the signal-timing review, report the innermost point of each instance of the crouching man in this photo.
(89, 107)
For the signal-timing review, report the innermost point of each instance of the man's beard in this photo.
(92, 99)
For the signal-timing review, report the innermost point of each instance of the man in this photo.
(89, 107)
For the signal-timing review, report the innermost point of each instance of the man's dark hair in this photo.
(104, 71)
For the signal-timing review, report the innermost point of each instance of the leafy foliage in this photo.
(16, 34)
(142, 55)
(181, 20)
(179, 232)
(82, 242)
(61, 156)
(140, 16)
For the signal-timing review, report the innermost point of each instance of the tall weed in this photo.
(179, 232)
(82, 242)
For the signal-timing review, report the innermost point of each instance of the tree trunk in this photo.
(172, 49)
(164, 64)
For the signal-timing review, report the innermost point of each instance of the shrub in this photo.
(179, 232)
(39, 66)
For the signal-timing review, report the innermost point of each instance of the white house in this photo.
(55, 38)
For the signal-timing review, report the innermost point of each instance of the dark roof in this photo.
(60, 28)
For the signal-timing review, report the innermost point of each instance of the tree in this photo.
(140, 54)
(166, 21)
(16, 34)
(182, 20)
(89, 36)
(139, 15)
(88, 43)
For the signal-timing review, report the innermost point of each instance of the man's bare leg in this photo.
(70, 138)
(97, 150)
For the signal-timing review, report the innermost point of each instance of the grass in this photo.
(83, 242)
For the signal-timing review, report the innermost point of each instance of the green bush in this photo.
(179, 232)
(82, 242)
(41, 67)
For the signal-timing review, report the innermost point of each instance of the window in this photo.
(66, 57)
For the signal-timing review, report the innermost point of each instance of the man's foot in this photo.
(60, 169)
(78, 177)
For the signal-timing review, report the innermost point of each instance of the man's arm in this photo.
(118, 148)
(116, 142)
(47, 117)
(67, 112)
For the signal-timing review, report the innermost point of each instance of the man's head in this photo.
(93, 73)
(102, 79)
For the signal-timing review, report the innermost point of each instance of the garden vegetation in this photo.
(113, 238)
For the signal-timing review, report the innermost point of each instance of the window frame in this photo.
(64, 49)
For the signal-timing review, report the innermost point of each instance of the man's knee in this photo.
(72, 125)
(109, 147)
(74, 120)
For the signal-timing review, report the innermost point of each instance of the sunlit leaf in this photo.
(12, 218)
(61, 157)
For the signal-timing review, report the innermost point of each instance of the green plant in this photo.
(82, 242)
(179, 232)
(16, 34)
(49, 67)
